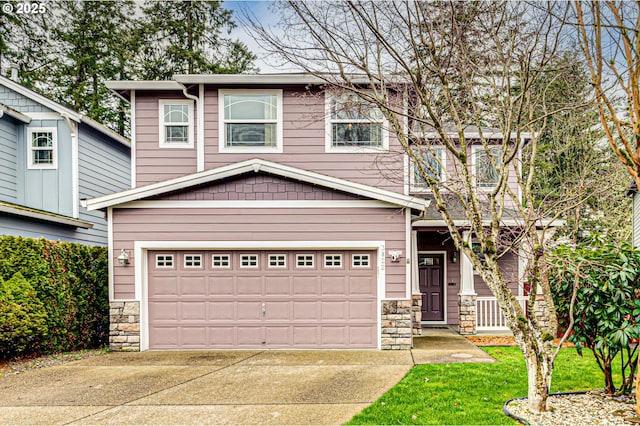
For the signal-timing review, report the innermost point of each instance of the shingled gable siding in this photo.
(212, 224)
(155, 164)
(261, 187)
(303, 144)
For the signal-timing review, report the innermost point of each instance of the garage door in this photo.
(262, 299)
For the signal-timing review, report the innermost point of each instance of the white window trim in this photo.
(54, 137)
(161, 128)
(474, 150)
(270, 266)
(184, 260)
(324, 261)
(173, 261)
(367, 266)
(222, 140)
(213, 266)
(350, 149)
(313, 261)
(257, 265)
(443, 176)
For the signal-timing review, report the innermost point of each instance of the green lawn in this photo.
(473, 393)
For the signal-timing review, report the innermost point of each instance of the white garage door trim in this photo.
(142, 270)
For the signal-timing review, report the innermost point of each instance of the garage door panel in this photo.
(215, 307)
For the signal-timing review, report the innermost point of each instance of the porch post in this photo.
(467, 295)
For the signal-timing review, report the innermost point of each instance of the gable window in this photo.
(176, 123)
(332, 260)
(250, 120)
(485, 163)
(433, 166)
(220, 261)
(354, 125)
(277, 261)
(249, 261)
(304, 260)
(42, 146)
(192, 260)
(164, 261)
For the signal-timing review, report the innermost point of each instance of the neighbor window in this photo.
(433, 163)
(219, 261)
(250, 120)
(42, 144)
(164, 261)
(333, 260)
(192, 260)
(486, 171)
(354, 124)
(176, 124)
(249, 261)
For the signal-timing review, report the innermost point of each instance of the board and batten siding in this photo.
(303, 144)
(258, 224)
(103, 168)
(636, 219)
(8, 154)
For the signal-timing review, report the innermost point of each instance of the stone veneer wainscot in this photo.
(397, 324)
(124, 326)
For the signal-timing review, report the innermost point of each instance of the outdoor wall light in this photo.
(454, 256)
(395, 255)
(123, 258)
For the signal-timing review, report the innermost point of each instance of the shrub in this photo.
(71, 282)
(23, 324)
(607, 306)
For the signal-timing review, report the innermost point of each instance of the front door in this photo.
(430, 269)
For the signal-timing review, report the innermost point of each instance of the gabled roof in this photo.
(63, 110)
(254, 165)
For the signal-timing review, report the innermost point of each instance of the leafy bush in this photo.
(607, 306)
(71, 282)
(23, 324)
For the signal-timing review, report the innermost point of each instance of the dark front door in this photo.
(430, 269)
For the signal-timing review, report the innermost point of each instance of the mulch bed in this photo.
(504, 341)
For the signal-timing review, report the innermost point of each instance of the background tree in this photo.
(609, 35)
(465, 68)
(188, 37)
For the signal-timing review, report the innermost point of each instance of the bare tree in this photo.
(609, 34)
(468, 78)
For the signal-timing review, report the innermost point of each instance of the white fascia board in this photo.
(541, 223)
(37, 97)
(255, 204)
(281, 78)
(255, 165)
(5, 110)
(106, 131)
(143, 85)
(474, 135)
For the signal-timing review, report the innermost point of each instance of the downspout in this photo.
(73, 129)
(200, 118)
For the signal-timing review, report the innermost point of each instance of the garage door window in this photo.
(277, 261)
(164, 261)
(360, 261)
(304, 260)
(221, 261)
(249, 261)
(333, 261)
(192, 260)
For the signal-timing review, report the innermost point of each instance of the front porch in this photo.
(447, 291)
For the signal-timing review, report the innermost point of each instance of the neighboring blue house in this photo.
(635, 193)
(51, 157)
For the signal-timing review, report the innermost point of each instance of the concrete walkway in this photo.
(220, 387)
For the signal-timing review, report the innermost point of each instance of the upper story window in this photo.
(250, 120)
(176, 123)
(354, 125)
(432, 165)
(42, 147)
(485, 164)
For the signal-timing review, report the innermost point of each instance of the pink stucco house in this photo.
(259, 217)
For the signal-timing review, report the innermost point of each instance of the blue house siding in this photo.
(19, 102)
(103, 168)
(8, 169)
(16, 225)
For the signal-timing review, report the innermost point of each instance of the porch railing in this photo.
(488, 314)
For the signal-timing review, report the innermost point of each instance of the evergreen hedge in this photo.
(70, 284)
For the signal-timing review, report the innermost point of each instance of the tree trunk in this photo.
(539, 370)
(609, 386)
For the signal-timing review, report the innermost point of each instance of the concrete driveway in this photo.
(203, 387)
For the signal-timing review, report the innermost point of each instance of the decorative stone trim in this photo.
(397, 324)
(124, 326)
(541, 312)
(467, 316)
(416, 311)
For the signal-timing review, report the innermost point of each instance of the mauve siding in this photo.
(260, 187)
(211, 224)
(154, 164)
(509, 266)
(303, 144)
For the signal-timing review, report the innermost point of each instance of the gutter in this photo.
(199, 101)
(17, 210)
